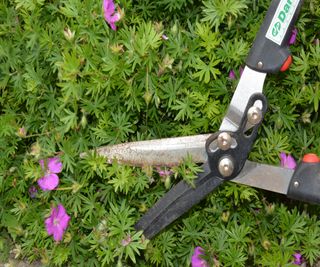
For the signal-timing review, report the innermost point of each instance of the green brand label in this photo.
(281, 20)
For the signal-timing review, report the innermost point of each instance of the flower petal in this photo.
(64, 218)
(113, 26)
(291, 163)
(49, 182)
(49, 225)
(283, 158)
(232, 75)
(41, 162)
(58, 234)
(114, 18)
(57, 222)
(54, 165)
(293, 36)
(196, 260)
(297, 258)
(109, 13)
(108, 6)
(287, 161)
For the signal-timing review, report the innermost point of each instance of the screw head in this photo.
(224, 141)
(296, 184)
(226, 166)
(260, 65)
(254, 115)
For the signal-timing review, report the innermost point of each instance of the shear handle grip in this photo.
(270, 51)
(305, 182)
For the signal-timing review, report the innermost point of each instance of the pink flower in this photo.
(293, 36)
(232, 75)
(196, 260)
(297, 258)
(50, 167)
(164, 37)
(22, 132)
(165, 172)
(125, 242)
(33, 191)
(287, 161)
(57, 222)
(109, 13)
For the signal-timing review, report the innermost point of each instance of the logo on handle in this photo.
(281, 20)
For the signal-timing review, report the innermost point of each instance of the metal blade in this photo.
(159, 152)
(182, 197)
(251, 82)
(171, 151)
(267, 177)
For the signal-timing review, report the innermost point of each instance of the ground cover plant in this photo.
(77, 74)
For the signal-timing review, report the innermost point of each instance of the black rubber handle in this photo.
(270, 51)
(176, 202)
(305, 183)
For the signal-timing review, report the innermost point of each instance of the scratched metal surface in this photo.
(159, 152)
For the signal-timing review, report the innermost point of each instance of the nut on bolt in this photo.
(260, 65)
(226, 166)
(254, 115)
(224, 141)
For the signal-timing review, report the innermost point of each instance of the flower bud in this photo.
(279, 123)
(67, 238)
(35, 149)
(167, 182)
(270, 208)
(76, 187)
(143, 207)
(12, 169)
(68, 34)
(126, 241)
(117, 48)
(305, 117)
(266, 244)
(84, 121)
(147, 97)
(22, 132)
(147, 169)
(174, 29)
(225, 216)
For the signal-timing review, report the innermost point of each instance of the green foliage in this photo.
(217, 12)
(69, 84)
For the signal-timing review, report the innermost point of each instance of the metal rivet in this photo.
(260, 65)
(254, 115)
(296, 184)
(226, 166)
(224, 141)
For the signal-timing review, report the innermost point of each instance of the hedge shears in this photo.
(224, 154)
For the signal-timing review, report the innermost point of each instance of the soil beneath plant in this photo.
(18, 263)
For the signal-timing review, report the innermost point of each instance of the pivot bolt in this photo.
(254, 115)
(226, 167)
(224, 141)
